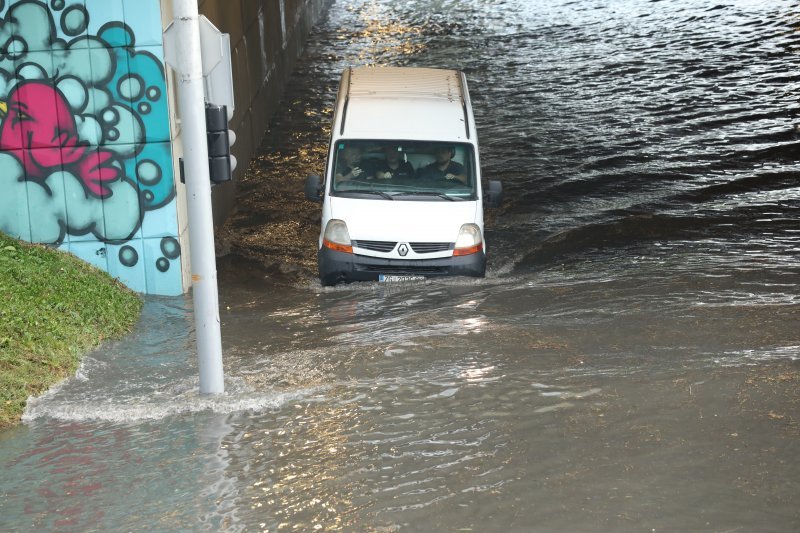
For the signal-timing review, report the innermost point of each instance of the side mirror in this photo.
(313, 189)
(493, 194)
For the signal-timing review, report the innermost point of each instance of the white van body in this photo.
(422, 217)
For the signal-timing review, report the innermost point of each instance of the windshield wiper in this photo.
(367, 191)
(428, 193)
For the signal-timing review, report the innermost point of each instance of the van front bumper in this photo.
(336, 267)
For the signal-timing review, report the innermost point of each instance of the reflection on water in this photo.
(95, 476)
(630, 362)
(381, 38)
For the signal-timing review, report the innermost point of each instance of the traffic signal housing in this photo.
(220, 161)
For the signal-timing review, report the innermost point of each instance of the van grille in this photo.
(375, 246)
(430, 247)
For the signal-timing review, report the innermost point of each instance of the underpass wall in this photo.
(90, 137)
(86, 162)
(267, 37)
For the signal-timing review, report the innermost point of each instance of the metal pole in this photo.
(198, 195)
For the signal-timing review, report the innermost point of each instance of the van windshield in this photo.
(403, 170)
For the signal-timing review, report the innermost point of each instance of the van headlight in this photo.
(336, 236)
(469, 241)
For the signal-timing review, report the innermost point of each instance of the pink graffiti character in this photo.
(38, 122)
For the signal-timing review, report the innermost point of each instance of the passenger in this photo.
(394, 166)
(444, 168)
(349, 165)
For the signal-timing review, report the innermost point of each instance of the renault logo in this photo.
(403, 250)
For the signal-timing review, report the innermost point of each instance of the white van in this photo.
(402, 196)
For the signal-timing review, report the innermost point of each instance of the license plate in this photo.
(394, 279)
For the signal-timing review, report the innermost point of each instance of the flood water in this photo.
(630, 363)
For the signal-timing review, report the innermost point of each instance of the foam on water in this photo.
(81, 399)
(132, 409)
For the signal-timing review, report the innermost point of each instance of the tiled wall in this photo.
(86, 133)
(85, 152)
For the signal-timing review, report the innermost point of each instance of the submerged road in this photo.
(630, 363)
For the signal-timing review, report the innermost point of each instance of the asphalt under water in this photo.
(630, 362)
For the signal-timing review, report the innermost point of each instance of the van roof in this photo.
(405, 103)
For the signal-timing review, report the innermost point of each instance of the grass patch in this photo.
(53, 308)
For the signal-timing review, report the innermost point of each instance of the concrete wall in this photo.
(266, 38)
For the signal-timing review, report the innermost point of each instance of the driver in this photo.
(393, 165)
(444, 168)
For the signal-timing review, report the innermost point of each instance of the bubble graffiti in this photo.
(85, 152)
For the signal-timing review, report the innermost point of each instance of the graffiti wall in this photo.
(85, 157)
